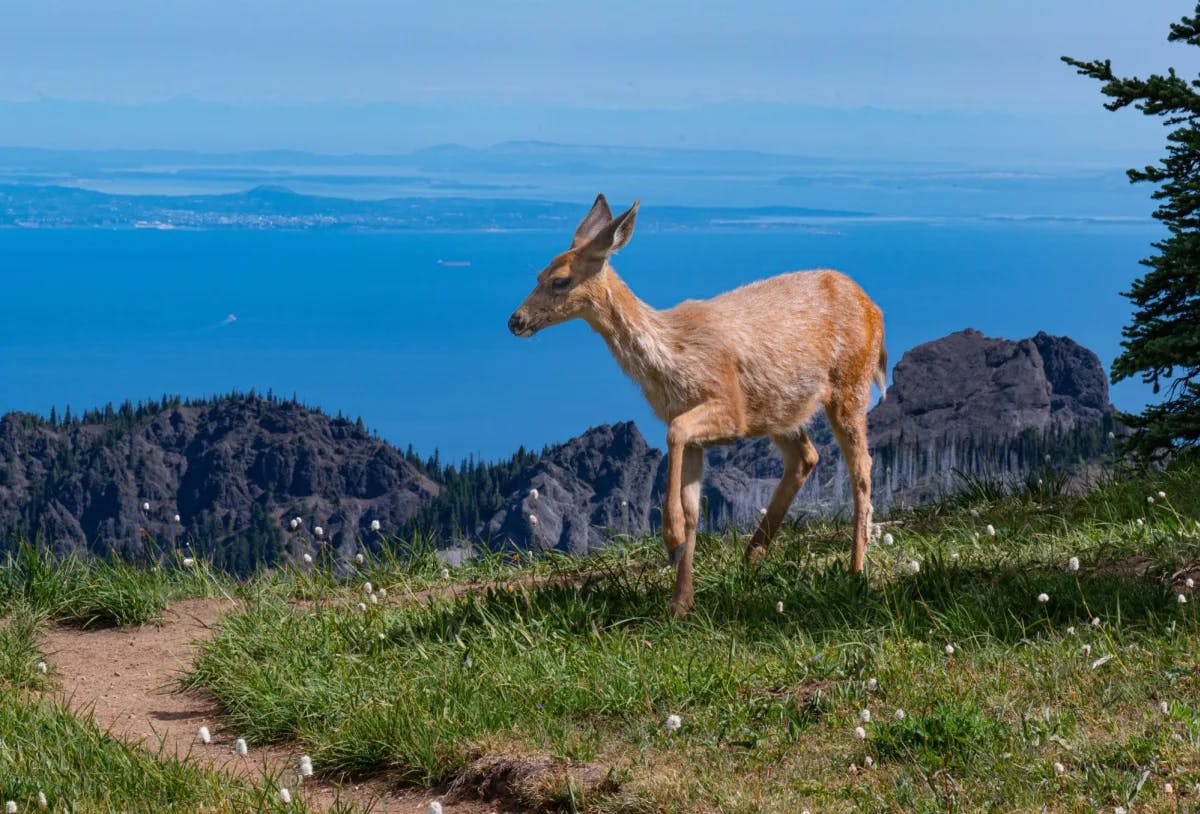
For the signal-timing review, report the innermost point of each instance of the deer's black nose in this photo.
(517, 323)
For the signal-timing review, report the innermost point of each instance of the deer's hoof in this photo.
(755, 554)
(678, 608)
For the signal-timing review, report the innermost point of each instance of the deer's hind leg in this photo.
(848, 419)
(799, 458)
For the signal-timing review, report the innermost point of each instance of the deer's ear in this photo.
(592, 222)
(612, 237)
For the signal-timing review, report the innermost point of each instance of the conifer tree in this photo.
(1162, 343)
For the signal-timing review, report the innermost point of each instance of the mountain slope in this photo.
(235, 470)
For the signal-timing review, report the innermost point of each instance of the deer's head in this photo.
(573, 284)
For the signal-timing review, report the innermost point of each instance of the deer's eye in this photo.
(560, 284)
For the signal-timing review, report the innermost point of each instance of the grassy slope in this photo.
(770, 700)
(590, 669)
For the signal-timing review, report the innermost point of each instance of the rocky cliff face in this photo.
(967, 385)
(235, 468)
(604, 482)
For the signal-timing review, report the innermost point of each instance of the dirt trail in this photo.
(125, 677)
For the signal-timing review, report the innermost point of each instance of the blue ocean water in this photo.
(371, 324)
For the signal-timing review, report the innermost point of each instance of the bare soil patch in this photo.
(125, 679)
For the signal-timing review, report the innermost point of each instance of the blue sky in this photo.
(366, 75)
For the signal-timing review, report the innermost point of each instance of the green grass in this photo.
(589, 670)
(101, 593)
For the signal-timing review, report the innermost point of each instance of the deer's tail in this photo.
(882, 370)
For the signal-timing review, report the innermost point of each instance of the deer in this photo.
(759, 360)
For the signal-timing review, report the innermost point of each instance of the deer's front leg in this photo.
(685, 462)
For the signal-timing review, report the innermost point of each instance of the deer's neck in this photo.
(636, 333)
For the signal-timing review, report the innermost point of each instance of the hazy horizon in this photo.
(928, 81)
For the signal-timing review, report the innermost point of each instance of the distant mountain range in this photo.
(277, 207)
(204, 185)
(237, 470)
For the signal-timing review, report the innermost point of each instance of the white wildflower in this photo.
(865, 716)
(779, 607)
(954, 555)
(308, 558)
(974, 513)
(900, 715)
(533, 494)
(860, 733)
(358, 558)
(285, 796)
(41, 667)
(1043, 598)
(673, 723)
(1164, 708)
(178, 519)
(203, 736)
(1150, 499)
(1119, 810)
(914, 567)
(888, 539)
(240, 747)
(1181, 599)
(1189, 583)
(373, 599)
(11, 807)
(949, 650)
(763, 511)
(361, 607)
(991, 530)
(1073, 564)
(433, 808)
(1112, 436)
(533, 519)
(146, 506)
(44, 803)
(368, 588)
(872, 684)
(1140, 522)
(1095, 621)
(306, 767)
(624, 503)
(375, 525)
(1086, 650)
(1059, 768)
(188, 562)
(1168, 789)
(317, 530)
(868, 762)
(1071, 630)
(1100, 662)
(445, 573)
(294, 523)
(382, 593)
(1162, 495)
